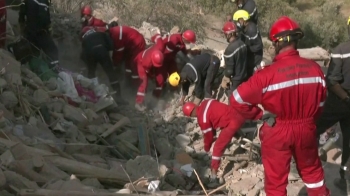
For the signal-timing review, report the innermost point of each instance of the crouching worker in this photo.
(211, 115)
(97, 46)
(201, 70)
(146, 60)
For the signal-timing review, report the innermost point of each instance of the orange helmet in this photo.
(190, 36)
(187, 108)
(157, 58)
(86, 10)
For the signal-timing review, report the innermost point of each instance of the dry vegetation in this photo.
(322, 21)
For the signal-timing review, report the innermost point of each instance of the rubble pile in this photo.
(62, 134)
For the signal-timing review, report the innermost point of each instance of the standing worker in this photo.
(235, 56)
(3, 20)
(35, 21)
(128, 43)
(250, 7)
(212, 115)
(201, 70)
(293, 89)
(96, 50)
(337, 106)
(252, 38)
(88, 20)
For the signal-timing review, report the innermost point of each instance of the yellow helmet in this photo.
(241, 14)
(349, 20)
(174, 79)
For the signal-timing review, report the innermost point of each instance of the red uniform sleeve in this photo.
(159, 44)
(246, 97)
(208, 135)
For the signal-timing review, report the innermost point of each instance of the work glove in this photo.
(112, 24)
(225, 83)
(197, 101)
(140, 107)
(213, 178)
(269, 119)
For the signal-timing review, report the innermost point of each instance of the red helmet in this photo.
(190, 36)
(284, 27)
(187, 108)
(157, 58)
(86, 10)
(229, 27)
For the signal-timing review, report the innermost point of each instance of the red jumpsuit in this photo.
(211, 115)
(3, 19)
(128, 43)
(95, 22)
(292, 88)
(173, 44)
(145, 69)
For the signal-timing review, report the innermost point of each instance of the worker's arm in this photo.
(335, 75)
(208, 135)
(158, 42)
(223, 140)
(255, 41)
(237, 69)
(108, 41)
(211, 73)
(22, 12)
(246, 97)
(185, 83)
(250, 7)
(99, 23)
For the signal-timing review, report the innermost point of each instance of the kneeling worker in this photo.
(201, 70)
(211, 115)
(96, 47)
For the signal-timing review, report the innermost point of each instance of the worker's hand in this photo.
(195, 52)
(197, 101)
(269, 119)
(112, 24)
(225, 83)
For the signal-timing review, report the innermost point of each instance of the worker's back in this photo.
(293, 87)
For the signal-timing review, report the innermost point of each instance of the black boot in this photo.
(118, 95)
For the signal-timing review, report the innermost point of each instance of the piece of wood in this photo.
(75, 167)
(144, 144)
(122, 122)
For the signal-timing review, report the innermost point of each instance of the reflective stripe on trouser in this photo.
(141, 92)
(287, 139)
(161, 76)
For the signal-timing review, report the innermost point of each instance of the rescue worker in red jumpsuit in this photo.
(292, 89)
(211, 115)
(148, 59)
(128, 43)
(3, 19)
(337, 105)
(88, 20)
